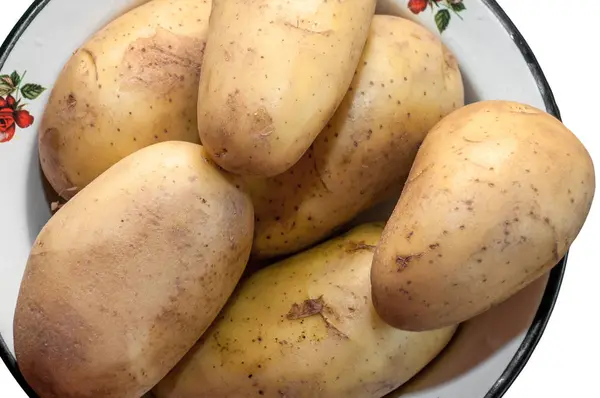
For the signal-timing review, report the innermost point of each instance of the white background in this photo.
(563, 37)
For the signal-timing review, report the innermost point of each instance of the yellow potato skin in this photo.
(498, 192)
(133, 84)
(405, 83)
(126, 277)
(261, 344)
(275, 72)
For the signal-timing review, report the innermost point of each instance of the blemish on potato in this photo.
(404, 260)
(306, 309)
(357, 246)
(160, 61)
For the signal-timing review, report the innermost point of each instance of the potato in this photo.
(406, 82)
(275, 72)
(133, 84)
(127, 276)
(305, 328)
(498, 192)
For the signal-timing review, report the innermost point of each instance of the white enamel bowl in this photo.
(488, 352)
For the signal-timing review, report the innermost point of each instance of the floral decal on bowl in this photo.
(443, 10)
(12, 108)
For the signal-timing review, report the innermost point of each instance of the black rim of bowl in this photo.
(544, 311)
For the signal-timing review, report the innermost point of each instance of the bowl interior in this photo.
(493, 65)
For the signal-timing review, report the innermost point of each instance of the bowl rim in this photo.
(552, 289)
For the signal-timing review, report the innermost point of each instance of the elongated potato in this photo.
(275, 72)
(497, 194)
(305, 328)
(133, 84)
(126, 277)
(405, 83)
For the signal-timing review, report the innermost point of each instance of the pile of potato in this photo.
(308, 113)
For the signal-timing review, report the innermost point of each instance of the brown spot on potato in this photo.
(403, 260)
(306, 309)
(157, 63)
(71, 101)
(357, 246)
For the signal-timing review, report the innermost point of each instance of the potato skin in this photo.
(127, 276)
(133, 84)
(305, 327)
(275, 72)
(405, 83)
(498, 192)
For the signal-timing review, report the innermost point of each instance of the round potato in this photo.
(126, 277)
(275, 72)
(405, 83)
(305, 328)
(498, 192)
(133, 84)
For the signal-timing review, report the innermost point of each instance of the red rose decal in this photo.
(442, 10)
(7, 124)
(23, 119)
(15, 96)
(417, 6)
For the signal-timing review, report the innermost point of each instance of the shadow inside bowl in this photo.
(479, 339)
(39, 195)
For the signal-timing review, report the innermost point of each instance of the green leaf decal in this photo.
(458, 7)
(5, 89)
(6, 80)
(442, 20)
(16, 79)
(32, 91)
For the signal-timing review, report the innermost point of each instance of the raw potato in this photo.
(275, 73)
(133, 84)
(497, 194)
(126, 277)
(406, 82)
(305, 328)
